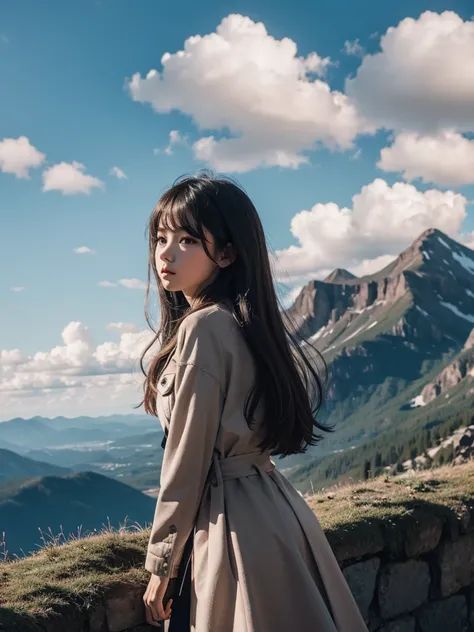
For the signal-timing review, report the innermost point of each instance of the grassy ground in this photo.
(77, 573)
(446, 490)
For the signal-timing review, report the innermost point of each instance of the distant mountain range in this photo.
(71, 504)
(125, 447)
(40, 432)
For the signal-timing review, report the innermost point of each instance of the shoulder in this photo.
(207, 320)
(205, 338)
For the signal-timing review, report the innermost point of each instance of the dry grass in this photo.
(67, 575)
(446, 490)
(70, 576)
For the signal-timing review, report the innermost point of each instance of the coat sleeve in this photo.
(187, 458)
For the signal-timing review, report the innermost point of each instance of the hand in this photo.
(153, 600)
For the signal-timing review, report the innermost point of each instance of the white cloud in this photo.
(70, 179)
(289, 298)
(446, 159)
(423, 78)
(118, 173)
(370, 266)
(17, 288)
(175, 139)
(122, 327)
(382, 222)
(356, 155)
(84, 250)
(92, 377)
(353, 48)
(106, 284)
(242, 80)
(18, 156)
(132, 284)
(467, 239)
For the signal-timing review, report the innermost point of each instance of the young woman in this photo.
(233, 546)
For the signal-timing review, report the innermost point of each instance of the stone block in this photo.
(405, 624)
(362, 539)
(361, 578)
(423, 536)
(441, 616)
(403, 587)
(456, 565)
(124, 607)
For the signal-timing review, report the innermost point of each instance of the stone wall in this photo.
(412, 576)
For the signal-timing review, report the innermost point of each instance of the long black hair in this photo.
(287, 378)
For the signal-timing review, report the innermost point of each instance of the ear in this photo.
(227, 256)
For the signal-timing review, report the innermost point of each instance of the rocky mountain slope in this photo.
(395, 341)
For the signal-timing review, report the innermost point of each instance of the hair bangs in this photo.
(178, 214)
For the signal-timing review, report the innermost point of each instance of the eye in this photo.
(160, 239)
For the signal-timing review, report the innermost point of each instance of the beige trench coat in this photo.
(260, 561)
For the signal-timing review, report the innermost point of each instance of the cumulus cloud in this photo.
(446, 159)
(383, 221)
(106, 284)
(70, 179)
(122, 327)
(84, 250)
(118, 173)
(132, 284)
(422, 79)
(18, 156)
(270, 104)
(76, 370)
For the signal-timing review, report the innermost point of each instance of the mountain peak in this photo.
(339, 275)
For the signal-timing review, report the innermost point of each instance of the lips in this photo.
(166, 271)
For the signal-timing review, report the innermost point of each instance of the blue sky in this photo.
(65, 74)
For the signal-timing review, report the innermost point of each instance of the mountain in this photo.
(459, 369)
(339, 275)
(394, 341)
(13, 466)
(39, 432)
(23, 432)
(134, 460)
(78, 502)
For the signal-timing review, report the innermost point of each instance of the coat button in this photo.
(173, 528)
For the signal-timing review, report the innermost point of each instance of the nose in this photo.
(164, 254)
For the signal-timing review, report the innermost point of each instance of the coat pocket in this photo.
(165, 388)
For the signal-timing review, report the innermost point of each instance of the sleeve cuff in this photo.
(160, 565)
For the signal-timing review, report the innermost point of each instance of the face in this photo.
(185, 257)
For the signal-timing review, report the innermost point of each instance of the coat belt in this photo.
(240, 465)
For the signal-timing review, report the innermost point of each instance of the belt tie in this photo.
(240, 465)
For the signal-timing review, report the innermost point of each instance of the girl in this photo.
(233, 546)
